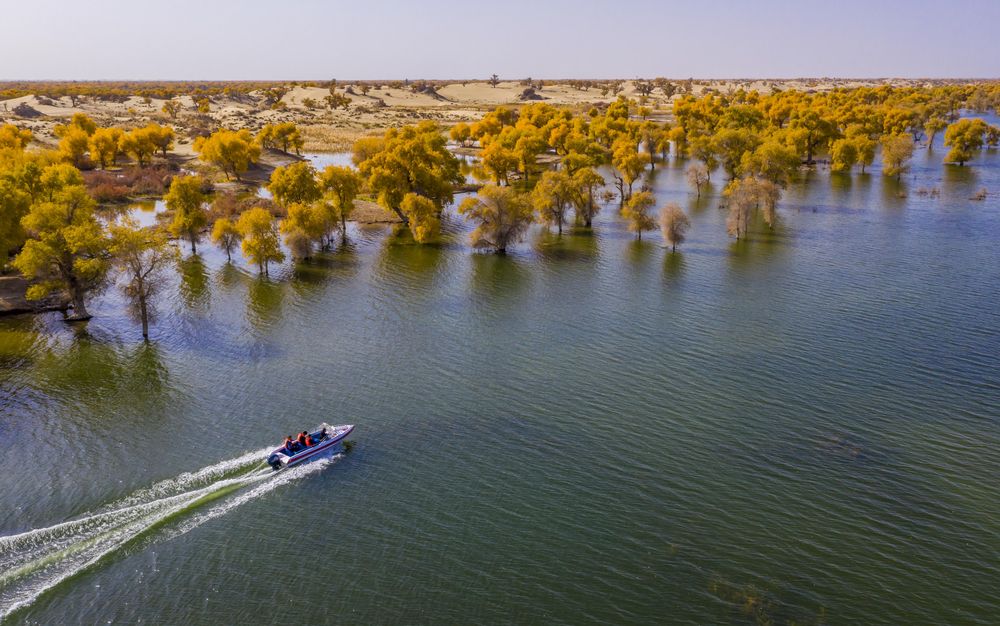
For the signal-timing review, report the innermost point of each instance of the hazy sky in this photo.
(322, 39)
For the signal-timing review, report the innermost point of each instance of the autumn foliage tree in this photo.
(232, 151)
(964, 137)
(896, 153)
(411, 159)
(12, 137)
(294, 184)
(261, 244)
(421, 216)
(586, 181)
(141, 255)
(502, 216)
(340, 186)
(284, 136)
(186, 199)
(636, 211)
(553, 197)
(105, 146)
(66, 247)
(226, 236)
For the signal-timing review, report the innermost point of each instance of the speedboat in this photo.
(326, 438)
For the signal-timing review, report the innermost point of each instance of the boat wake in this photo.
(37, 560)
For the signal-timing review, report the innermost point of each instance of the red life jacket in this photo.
(303, 439)
(309, 440)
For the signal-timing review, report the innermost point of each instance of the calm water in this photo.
(591, 430)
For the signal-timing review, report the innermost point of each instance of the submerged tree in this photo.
(226, 236)
(674, 224)
(340, 186)
(305, 224)
(502, 216)
(697, 177)
(636, 211)
(185, 198)
(421, 216)
(843, 155)
(552, 196)
(141, 255)
(586, 182)
(740, 207)
(964, 137)
(630, 166)
(896, 152)
(411, 159)
(932, 127)
(66, 248)
(261, 243)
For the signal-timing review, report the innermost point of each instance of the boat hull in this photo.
(279, 460)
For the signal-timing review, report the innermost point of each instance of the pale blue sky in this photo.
(317, 39)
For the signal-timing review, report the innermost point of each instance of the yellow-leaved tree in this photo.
(636, 211)
(284, 136)
(964, 137)
(294, 184)
(105, 146)
(411, 159)
(261, 244)
(896, 153)
(231, 151)
(553, 196)
(340, 186)
(421, 216)
(141, 255)
(502, 216)
(186, 199)
(226, 236)
(12, 137)
(67, 247)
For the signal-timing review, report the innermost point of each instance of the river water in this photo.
(804, 427)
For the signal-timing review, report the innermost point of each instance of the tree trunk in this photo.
(343, 230)
(192, 236)
(144, 313)
(80, 313)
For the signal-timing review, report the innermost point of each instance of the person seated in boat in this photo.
(289, 446)
(305, 439)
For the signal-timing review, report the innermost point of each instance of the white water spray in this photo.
(37, 560)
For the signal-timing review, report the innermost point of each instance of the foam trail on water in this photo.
(37, 560)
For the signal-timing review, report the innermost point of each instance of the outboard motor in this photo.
(276, 460)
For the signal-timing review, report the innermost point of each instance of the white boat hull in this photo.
(280, 459)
